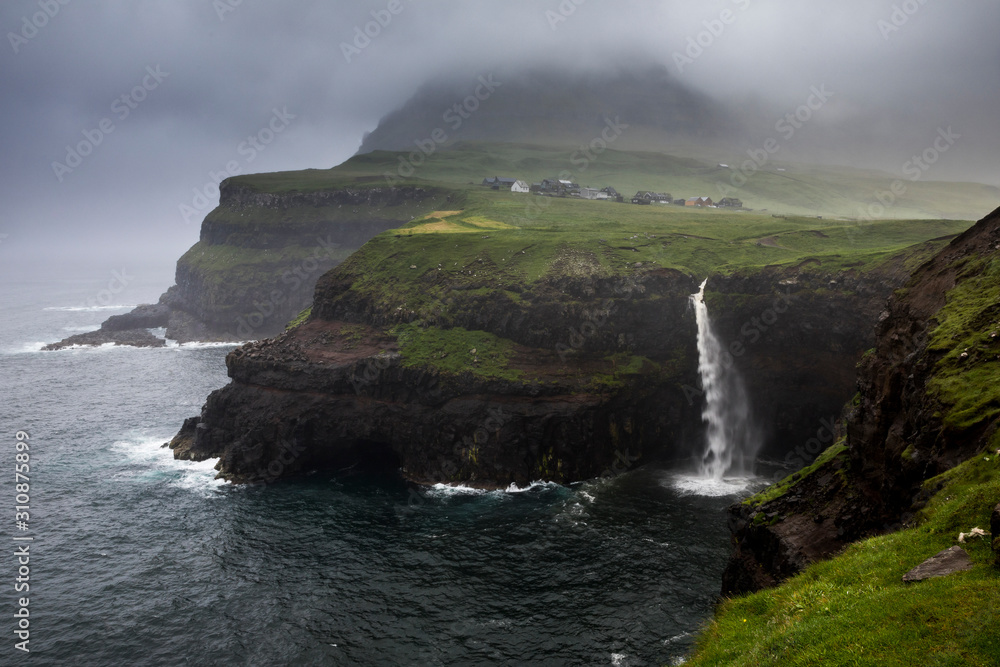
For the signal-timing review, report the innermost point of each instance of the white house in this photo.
(593, 193)
(520, 186)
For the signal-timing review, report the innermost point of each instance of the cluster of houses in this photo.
(646, 198)
(552, 187)
(562, 188)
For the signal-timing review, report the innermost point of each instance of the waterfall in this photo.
(731, 441)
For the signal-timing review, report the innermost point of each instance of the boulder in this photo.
(944, 563)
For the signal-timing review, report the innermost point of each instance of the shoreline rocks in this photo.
(130, 337)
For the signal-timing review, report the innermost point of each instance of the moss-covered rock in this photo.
(926, 403)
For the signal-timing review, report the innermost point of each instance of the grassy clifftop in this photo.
(508, 242)
(783, 188)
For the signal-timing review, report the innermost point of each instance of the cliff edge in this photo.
(928, 399)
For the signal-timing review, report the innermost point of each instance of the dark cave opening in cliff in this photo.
(362, 456)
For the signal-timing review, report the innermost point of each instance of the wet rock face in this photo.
(796, 337)
(894, 433)
(317, 398)
(142, 317)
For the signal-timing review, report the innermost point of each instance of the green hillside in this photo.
(775, 189)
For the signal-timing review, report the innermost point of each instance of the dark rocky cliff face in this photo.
(337, 390)
(908, 422)
(341, 388)
(796, 335)
(261, 253)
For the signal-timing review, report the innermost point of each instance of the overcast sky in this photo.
(182, 84)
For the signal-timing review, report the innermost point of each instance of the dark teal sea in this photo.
(138, 559)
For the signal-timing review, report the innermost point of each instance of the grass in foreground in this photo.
(855, 610)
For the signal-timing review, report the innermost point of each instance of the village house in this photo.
(520, 187)
(644, 197)
(556, 188)
(499, 183)
(612, 194)
(569, 188)
(699, 201)
(549, 186)
(730, 202)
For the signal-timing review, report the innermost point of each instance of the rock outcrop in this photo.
(128, 329)
(949, 561)
(908, 423)
(258, 258)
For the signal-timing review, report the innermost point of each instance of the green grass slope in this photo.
(855, 609)
(775, 188)
(505, 241)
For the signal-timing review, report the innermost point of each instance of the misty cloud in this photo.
(67, 66)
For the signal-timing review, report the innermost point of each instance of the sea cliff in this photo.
(926, 401)
(481, 375)
(259, 255)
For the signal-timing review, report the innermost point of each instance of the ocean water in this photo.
(139, 559)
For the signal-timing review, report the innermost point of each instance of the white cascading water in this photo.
(731, 441)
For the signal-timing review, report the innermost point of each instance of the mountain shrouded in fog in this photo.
(554, 106)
